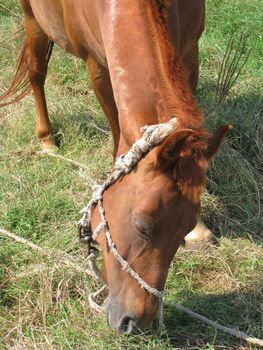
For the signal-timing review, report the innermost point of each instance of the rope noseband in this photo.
(153, 135)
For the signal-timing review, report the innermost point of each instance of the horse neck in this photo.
(149, 83)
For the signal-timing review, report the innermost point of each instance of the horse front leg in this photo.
(101, 83)
(190, 61)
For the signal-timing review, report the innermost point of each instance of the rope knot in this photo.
(152, 136)
(143, 146)
(155, 134)
(125, 162)
(98, 192)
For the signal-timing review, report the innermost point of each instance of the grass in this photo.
(43, 303)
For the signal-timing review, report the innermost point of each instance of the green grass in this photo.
(42, 302)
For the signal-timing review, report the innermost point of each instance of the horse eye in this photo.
(143, 226)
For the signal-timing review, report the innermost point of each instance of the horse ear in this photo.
(171, 147)
(216, 140)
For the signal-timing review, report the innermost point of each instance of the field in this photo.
(43, 303)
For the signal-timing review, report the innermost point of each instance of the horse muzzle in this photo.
(126, 321)
(123, 321)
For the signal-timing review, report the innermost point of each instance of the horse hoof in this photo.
(200, 238)
(48, 145)
(198, 245)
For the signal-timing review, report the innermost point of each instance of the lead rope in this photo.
(153, 135)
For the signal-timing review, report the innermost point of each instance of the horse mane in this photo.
(188, 161)
(182, 99)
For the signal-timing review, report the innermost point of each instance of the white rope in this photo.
(124, 264)
(92, 262)
(93, 304)
(229, 330)
(80, 166)
(153, 135)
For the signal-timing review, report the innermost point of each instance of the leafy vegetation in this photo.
(42, 302)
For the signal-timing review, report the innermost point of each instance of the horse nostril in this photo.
(127, 325)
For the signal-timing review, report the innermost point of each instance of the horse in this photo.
(143, 62)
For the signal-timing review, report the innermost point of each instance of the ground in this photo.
(43, 303)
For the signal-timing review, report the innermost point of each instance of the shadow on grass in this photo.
(236, 176)
(85, 125)
(238, 310)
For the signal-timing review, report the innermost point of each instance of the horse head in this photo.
(149, 211)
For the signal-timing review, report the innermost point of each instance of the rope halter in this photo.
(153, 135)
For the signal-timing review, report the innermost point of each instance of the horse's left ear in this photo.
(216, 140)
(170, 150)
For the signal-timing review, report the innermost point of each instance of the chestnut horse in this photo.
(143, 61)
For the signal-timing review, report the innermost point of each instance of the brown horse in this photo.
(143, 62)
